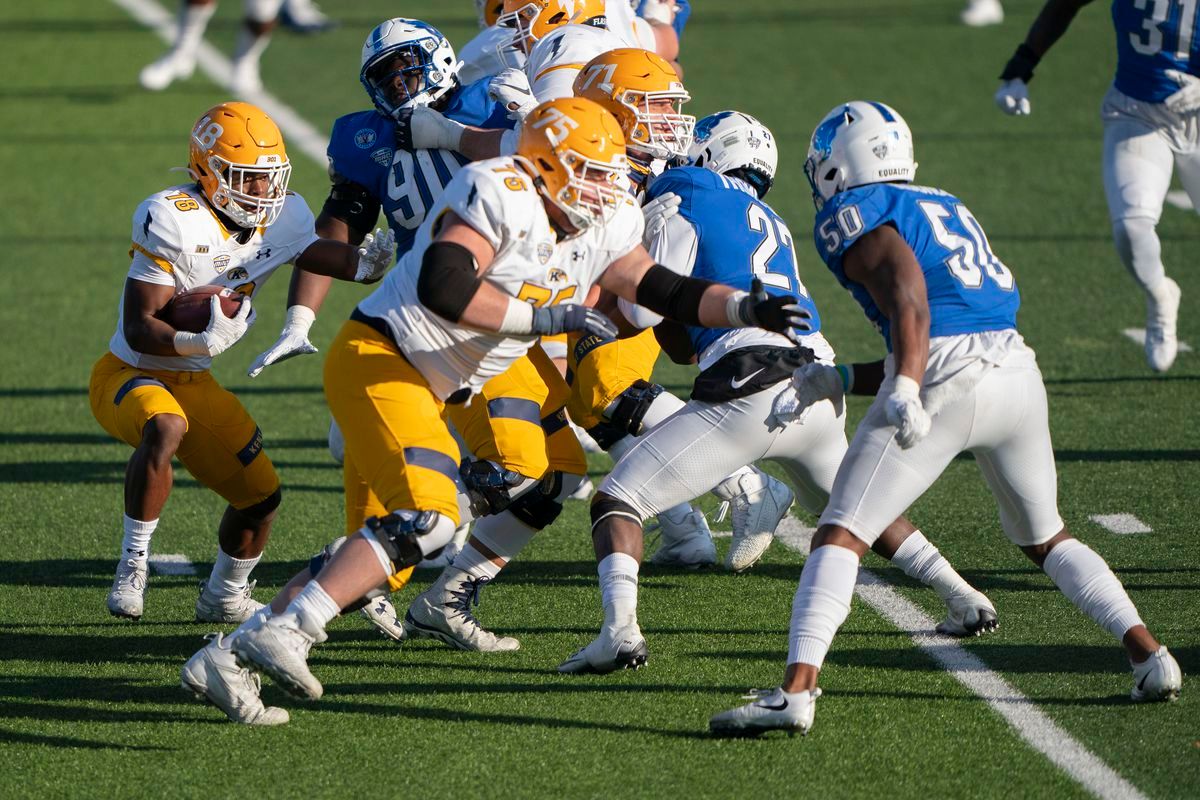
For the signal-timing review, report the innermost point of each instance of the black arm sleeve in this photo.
(1048, 28)
(672, 295)
(352, 203)
(868, 377)
(447, 281)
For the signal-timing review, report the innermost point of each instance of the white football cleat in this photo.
(245, 79)
(760, 503)
(981, 13)
(160, 74)
(1162, 316)
(968, 615)
(583, 491)
(685, 541)
(774, 710)
(234, 608)
(1157, 678)
(127, 597)
(280, 648)
(382, 614)
(213, 675)
(613, 649)
(443, 612)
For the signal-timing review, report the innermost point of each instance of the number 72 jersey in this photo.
(970, 290)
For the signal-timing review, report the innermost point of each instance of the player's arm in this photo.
(1048, 28)
(425, 128)
(660, 15)
(148, 334)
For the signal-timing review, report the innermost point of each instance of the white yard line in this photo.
(171, 564)
(1138, 335)
(1121, 523)
(1030, 723)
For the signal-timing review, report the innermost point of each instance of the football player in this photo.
(958, 377)
(719, 228)
(546, 224)
(1149, 119)
(233, 227)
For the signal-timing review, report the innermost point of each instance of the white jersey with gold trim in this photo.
(481, 57)
(179, 241)
(557, 58)
(497, 199)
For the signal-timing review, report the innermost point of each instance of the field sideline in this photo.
(90, 706)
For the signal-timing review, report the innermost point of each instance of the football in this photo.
(189, 311)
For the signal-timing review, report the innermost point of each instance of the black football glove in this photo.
(777, 313)
(553, 320)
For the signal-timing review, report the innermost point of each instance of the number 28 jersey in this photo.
(970, 290)
(1154, 36)
(497, 199)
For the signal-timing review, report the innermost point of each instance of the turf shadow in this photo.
(14, 737)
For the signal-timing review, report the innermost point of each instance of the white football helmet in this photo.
(430, 56)
(857, 143)
(730, 141)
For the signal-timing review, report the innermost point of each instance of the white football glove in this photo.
(810, 384)
(1187, 98)
(375, 255)
(657, 212)
(428, 129)
(1013, 98)
(293, 340)
(220, 335)
(905, 412)
(659, 11)
(510, 88)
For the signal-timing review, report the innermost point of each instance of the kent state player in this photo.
(718, 228)
(436, 331)
(233, 226)
(958, 377)
(1150, 122)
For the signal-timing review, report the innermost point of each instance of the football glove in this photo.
(553, 320)
(657, 212)
(510, 88)
(375, 255)
(1013, 98)
(905, 412)
(293, 340)
(1187, 98)
(810, 384)
(777, 313)
(423, 128)
(220, 335)
(659, 11)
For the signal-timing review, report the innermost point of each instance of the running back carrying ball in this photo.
(190, 310)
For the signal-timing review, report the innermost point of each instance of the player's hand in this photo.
(553, 320)
(1013, 98)
(777, 313)
(657, 212)
(510, 88)
(905, 412)
(810, 384)
(293, 340)
(423, 128)
(658, 11)
(222, 331)
(1187, 98)
(375, 255)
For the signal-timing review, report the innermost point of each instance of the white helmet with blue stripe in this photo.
(426, 73)
(733, 142)
(857, 143)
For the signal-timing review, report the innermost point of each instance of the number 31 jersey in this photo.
(497, 199)
(969, 288)
(1154, 36)
(179, 241)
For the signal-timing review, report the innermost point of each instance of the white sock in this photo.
(475, 563)
(135, 546)
(193, 21)
(921, 561)
(230, 575)
(252, 622)
(618, 589)
(1082, 575)
(313, 608)
(822, 603)
(250, 46)
(503, 534)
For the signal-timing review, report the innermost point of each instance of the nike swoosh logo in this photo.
(779, 707)
(1142, 683)
(738, 383)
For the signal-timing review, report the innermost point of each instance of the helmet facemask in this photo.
(419, 81)
(250, 195)
(587, 191)
(657, 133)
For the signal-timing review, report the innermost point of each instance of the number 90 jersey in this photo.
(497, 199)
(969, 289)
(179, 241)
(1154, 36)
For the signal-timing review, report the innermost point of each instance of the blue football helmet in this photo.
(428, 71)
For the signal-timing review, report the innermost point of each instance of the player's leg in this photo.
(1011, 442)
(137, 408)
(1137, 174)
(304, 16)
(253, 38)
(180, 61)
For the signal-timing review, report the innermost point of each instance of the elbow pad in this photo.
(672, 295)
(352, 203)
(447, 281)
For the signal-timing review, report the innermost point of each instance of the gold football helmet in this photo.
(575, 151)
(646, 96)
(489, 12)
(237, 157)
(533, 19)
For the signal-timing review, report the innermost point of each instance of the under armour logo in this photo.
(263, 253)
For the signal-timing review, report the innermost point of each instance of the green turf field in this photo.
(91, 706)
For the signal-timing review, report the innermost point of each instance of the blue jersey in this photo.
(1154, 36)
(969, 289)
(738, 238)
(362, 148)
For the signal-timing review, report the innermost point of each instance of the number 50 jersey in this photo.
(969, 288)
(497, 199)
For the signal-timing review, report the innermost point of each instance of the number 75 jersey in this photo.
(970, 290)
